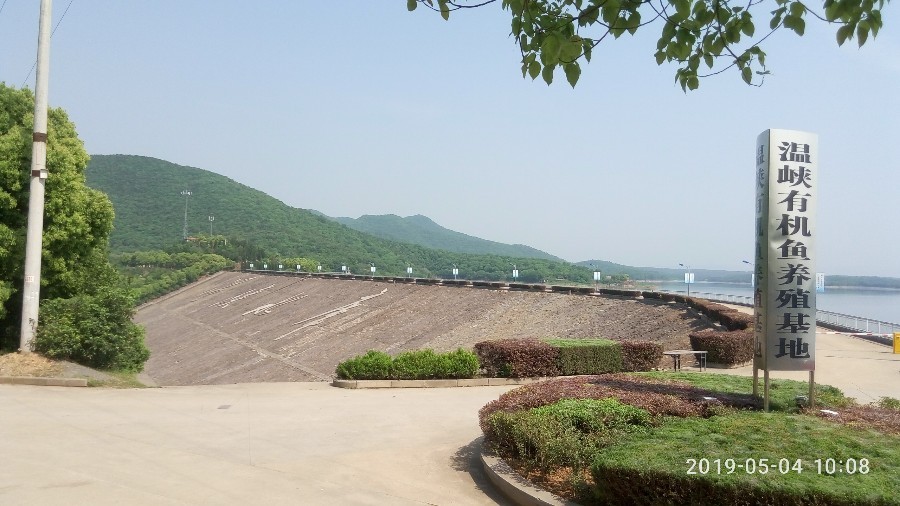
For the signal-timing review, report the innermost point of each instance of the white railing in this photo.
(856, 323)
(843, 321)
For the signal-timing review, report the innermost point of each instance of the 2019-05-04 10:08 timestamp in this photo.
(777, 466)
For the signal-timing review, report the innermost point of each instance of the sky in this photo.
(361, 107)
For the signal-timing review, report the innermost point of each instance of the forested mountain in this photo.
(147, 196)
(149, 215)
(423, 231)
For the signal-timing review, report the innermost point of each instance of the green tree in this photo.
(77, 219)
(703, 37)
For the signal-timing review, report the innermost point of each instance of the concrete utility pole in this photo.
(31, 289)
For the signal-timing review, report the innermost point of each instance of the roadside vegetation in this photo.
(410, 365)
(688, 438)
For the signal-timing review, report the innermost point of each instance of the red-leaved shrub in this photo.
(517, 358)
(640, 355)
(727, 348)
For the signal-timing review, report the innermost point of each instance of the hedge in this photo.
(587, 356)
(517, 358)
(640, 355)
(418, 364)
(727, 348)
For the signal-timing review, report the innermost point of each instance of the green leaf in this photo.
(708, 59)
(668, 32)
(570, 50)
(534, 68)
(411, 5)
(573, 72)
(634, 22)
(547, 74)
(843, 33)
(445, 9)
(693, 82)
(550, 49)
(747, 75)
(660, 57)
(862, 34)
(777, 15)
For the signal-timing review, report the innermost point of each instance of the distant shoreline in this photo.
(737, 283)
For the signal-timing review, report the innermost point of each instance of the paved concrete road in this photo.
(276, 443)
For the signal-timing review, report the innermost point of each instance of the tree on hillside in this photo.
(703, 37)
(77, 219)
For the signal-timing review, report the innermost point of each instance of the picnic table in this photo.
(676, 357)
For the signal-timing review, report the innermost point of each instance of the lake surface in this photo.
(883, 305)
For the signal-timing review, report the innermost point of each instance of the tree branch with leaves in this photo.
(702, 37)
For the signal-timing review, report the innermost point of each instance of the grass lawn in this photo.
(710, 442)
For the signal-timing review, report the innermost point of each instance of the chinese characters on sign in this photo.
(785, 293)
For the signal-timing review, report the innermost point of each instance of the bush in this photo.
(566, 433)
(372, 365)
(640, 355)
(93, 330)
(727, 348)
(418, 364)
(517, 358)
(461, 364)
(736, 320)
(587, 356)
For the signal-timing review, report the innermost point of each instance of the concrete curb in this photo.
(515, 487)
(434, 383)
(44, 382)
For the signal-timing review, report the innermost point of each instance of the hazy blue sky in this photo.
(360, 107)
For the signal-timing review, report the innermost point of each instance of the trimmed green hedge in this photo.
(418, 364)
(587, 356)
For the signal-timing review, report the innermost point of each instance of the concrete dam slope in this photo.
(236, 327)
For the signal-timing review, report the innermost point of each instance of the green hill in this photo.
(423, 231)
(146, 195)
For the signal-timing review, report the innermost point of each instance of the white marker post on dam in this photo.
(785, 295)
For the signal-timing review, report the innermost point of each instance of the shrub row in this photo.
(730, 318)
(523, 358)
(419, 364)
(517, 358)
(727, 348)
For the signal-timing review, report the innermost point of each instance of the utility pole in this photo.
(31, 289)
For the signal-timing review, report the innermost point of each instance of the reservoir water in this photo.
(883, 305)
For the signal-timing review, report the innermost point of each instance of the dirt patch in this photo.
(241, 327)
(29, 364)
(34, 365)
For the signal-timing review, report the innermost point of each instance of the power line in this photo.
(51, 36)
(2, 6)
